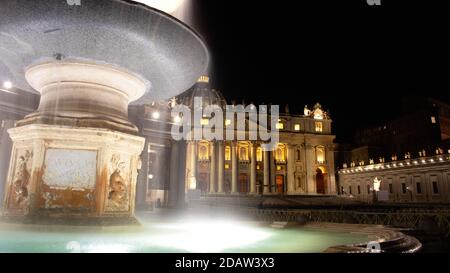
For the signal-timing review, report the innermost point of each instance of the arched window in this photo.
(320, 154)
(280, 153)
(243, 153)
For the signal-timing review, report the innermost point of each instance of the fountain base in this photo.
(59, 171)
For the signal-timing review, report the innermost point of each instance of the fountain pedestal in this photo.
(77, 155)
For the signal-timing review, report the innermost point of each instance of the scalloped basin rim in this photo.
(142, 40)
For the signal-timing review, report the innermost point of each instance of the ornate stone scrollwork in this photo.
(21, 179)
(118, 190)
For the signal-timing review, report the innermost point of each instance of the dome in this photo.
(202, 89)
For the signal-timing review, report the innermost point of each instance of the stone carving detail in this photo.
(21, 179)
(317, 112)
(118, 186)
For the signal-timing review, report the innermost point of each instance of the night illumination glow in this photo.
(7, 84)
(156, 115)
(202, 235)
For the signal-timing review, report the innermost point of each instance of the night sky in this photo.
(357, 60)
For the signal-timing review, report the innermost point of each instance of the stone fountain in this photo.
(78, 155)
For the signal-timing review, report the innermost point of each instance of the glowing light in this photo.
(204, 79)
(204, 121)
(168, 6)
(376, 184)
(228, 122)
(297, 127)
(150, 176)
(7, 84)
(202, 236)
(177, 119)
(156, 115)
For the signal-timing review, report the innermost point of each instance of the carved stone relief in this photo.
(118, 184)
(19, 193)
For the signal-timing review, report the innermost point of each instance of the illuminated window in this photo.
(259, 154)
(203, 151)
(280, 126)
(319, 126)
(297, 127)
(243, 153)
(227, 153)
(204, 121)
(227, 122)
(278, 168)
(433, 120)
(280, 153)
(227, 166)
(320, 154)
(257, 167)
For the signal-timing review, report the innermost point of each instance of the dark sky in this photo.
(357, 60)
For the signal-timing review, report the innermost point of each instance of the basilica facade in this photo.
(301, 163)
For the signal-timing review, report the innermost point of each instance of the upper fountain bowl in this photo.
(165, 53)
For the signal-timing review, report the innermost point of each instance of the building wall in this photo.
(421, 180)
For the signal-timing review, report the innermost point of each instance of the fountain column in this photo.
(78, 153)
(234, 168)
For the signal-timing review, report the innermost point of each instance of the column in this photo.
(290, 169)
(272, 176)
(220, 167)
(310, 170)
(5, 154)
(141, 187)
(266, 172)
(212, 169)
(234, 168)
(191, 170)
(253, 169)
(181, 183)
(174, 166)
(330, 169)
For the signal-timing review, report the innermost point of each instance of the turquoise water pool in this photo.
(174, 235)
